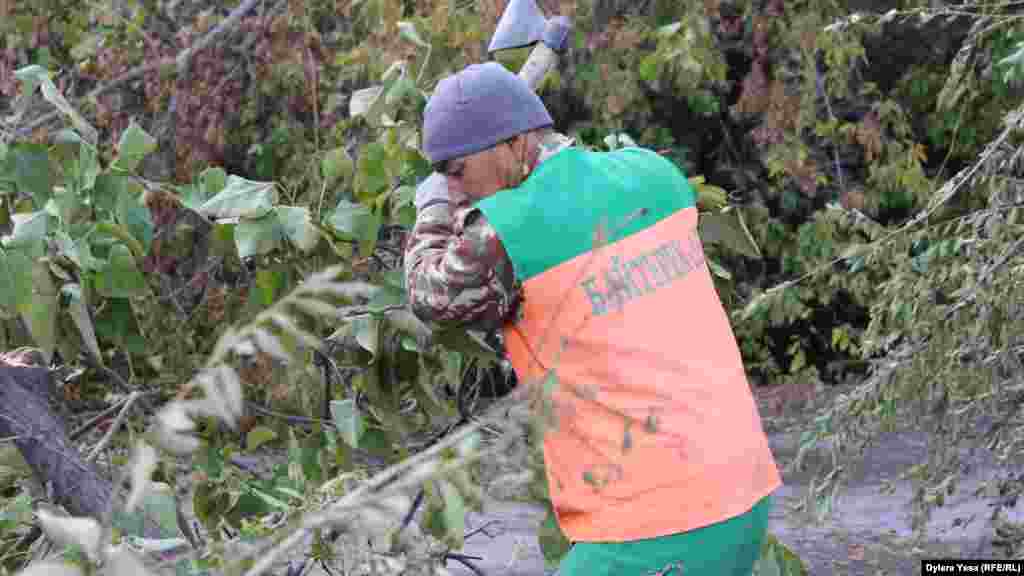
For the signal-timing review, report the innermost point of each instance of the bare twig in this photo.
(392, 480)
(92, 422)
(230, 22)
(465, 561)
(483, 529)
(983, 279)
(180, 64)
(289, 418)
(114, 426)
(116, 378)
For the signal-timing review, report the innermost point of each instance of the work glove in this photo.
(433, 190)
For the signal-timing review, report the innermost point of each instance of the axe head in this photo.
(521, 25)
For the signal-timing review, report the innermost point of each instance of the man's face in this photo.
(477, 176)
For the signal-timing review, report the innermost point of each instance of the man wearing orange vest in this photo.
(591, 264)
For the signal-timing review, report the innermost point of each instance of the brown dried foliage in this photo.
(868, 134)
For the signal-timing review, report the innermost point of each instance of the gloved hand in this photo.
(433, 190)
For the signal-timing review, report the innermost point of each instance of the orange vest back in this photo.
(657, 431)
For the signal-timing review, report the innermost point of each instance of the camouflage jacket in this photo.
(457, 272)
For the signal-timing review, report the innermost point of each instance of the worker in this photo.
(591, 265)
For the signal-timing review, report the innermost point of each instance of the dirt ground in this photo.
(869, 533)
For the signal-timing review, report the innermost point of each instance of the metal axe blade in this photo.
(521, 25)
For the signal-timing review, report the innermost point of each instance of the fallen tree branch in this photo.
(114, 426)
(116, 378)
(182, 61)
(76, 484)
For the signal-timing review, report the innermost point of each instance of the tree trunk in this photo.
(25, 415)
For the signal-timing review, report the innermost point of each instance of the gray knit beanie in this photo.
(477, 108)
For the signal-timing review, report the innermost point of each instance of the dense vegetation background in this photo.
(174, 176)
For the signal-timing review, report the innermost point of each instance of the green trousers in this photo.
(728, 548)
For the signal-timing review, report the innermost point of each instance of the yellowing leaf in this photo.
(258, 436)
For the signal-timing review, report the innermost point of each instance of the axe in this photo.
(521, 25)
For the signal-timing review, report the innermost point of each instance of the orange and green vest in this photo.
(657, 431)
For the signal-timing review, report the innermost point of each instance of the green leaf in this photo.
(649, 68)
(33, 174)
(454, 515)
(337, 165)
(241, 198)
(120, 277)
(373, 176)
(212, 181)
(270, 500)
(466, 343)
(386, 297)
(269, 285)
(258, 236)
(208, 184)
(298, 227)
(348, 420)
(405, 216)
(718, 270)
(39, 312)
(402, 196)
(78, 252)
(159, 506)
(116, 323)
(362, 100)
(368, 241)
(108, 189)
(553, 543)
(778, 560)
(407, 30)
(29, 230)
(258, 436)
(134, 216)
(79, 311)
(36, 76)
(350, 220)
(378, 443)
(135, 144)
(367, 332)
(432, 521)
(87, 167)
(453, 368)
(669, 29)
(728, 229)
(403, 87)
(15, 279)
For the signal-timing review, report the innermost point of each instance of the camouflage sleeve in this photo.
(457, 271)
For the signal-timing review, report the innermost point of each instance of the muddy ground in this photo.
(869, 533)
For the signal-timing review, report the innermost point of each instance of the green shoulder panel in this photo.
(577, 199)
